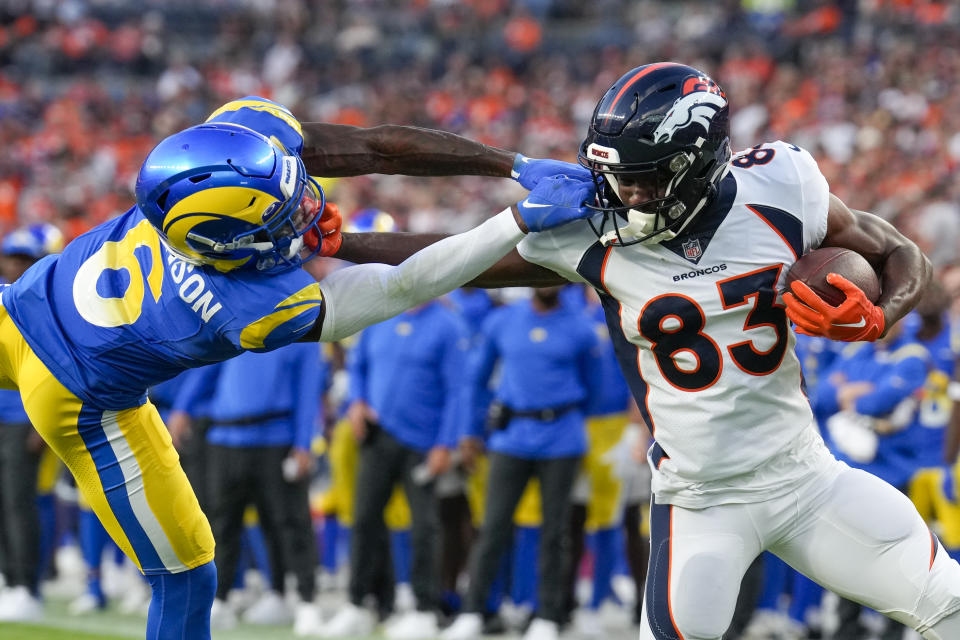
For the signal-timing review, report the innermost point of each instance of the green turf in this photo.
(32, 632)
(57, 624)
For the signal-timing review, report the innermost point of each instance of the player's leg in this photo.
(424, 530)
(863, 539)
(377, 472)
(229, 490)
(556, 483)
(127, 469)
(697, 561)
(506, 481)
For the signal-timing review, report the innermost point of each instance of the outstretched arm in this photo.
(337, 150)
(358, 296)
(394, 248)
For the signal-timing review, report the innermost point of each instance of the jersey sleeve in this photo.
(266, 117)
(813, 194)
(279, 321)
(559, 249)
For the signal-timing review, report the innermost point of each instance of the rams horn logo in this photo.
(698, 107)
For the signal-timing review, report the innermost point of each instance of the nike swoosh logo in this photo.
(531, 205)
(856, 325)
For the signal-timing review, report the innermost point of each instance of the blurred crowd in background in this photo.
(88, 86)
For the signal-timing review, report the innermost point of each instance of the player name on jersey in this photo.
(192, 287)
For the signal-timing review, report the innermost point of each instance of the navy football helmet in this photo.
(658, 146)
(224, 195)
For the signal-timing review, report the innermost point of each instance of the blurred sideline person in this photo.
(338, 501)
(547, 364)
(205, 267)
(611, 487)
(20, 451)
(688, 251)
(407, 401)
(933, 487)
(258, 453)
(872, 393)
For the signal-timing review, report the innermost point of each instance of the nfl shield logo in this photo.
(691, 249)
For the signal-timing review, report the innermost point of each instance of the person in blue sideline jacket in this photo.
(258, 452)
(406, 408)
(21, 534)
(547, 359)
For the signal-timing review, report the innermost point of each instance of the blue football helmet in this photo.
(223, 195)
(34, 241)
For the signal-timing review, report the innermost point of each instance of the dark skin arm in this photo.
(904, 270)
(951, 445)
(337, 150)
(394, 248)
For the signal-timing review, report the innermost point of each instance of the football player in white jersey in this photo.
(689, 250)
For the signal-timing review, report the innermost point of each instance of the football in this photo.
(813, 268)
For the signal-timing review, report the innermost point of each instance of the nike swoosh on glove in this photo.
(555, 201)
(854, 320)
(530, 171)
(329, 224)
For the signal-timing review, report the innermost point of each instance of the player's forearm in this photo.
(393, 248)
(903, 277)
(359, 296)
(340, 150)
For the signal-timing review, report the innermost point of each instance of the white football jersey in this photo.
(700, 328)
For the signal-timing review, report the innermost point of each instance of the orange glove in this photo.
(330, 223)
(855, 319)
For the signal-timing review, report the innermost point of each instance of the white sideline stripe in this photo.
(133, 481)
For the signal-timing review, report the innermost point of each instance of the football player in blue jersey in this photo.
(205, 267)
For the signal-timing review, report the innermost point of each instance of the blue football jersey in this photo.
(118, 312)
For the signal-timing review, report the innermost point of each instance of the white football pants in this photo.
(855, 535)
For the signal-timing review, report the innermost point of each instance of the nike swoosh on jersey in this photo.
(855, 325)
(532, 205)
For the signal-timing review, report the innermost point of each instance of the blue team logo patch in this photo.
(692, 250)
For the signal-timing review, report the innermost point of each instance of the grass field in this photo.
(57, 624)
(111, 625)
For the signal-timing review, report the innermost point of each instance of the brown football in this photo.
(813, 268)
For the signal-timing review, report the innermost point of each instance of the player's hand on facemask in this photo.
(854, 320)
(530, 171)
(330, 223)
(555, 201)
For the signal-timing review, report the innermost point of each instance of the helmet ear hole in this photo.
(162, 200)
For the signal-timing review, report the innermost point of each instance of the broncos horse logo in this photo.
(697, 107)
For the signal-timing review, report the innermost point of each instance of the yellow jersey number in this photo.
(110, 311)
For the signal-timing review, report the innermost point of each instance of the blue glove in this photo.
(530, 171)
(556, 200)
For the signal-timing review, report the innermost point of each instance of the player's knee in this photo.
(203, 581)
